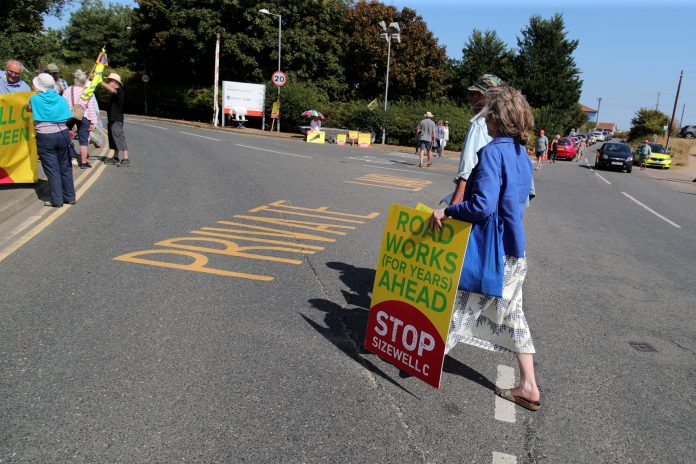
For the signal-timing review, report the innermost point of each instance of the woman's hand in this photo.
(436, 218)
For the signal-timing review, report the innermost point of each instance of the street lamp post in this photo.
(280, 38)
(389, 37)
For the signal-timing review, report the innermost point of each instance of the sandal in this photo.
(524, 402)
(430, 164)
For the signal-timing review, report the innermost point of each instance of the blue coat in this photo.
(502, 179)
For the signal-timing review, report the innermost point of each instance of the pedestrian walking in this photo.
(553, 148)
(88, 108)
(440, 138)
(490, 322)
(445, 138)
(582, 150)
(477, 136)
(644, 152)
(50, 113)
(114, 111)
(425, 133)
(541, 149)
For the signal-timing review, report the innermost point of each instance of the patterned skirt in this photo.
(496, 324)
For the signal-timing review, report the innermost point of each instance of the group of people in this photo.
(55, 108)
(429, 137)
(545, 149)
(495, 180)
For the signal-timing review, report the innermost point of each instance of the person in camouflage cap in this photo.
(477, 136)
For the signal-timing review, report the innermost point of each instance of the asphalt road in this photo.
(254, 354)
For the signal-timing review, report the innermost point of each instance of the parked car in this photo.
(614, 155)
(688, 132)
(575, 139)
(598, 136)
(583, 137)
(659, 157)
(567, 149)
(590, 139)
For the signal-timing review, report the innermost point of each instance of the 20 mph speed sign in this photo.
(279, 78)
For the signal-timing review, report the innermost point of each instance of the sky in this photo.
(629, 51)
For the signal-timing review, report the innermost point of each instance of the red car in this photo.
(566, 149)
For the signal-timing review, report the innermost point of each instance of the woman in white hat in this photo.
(50, 113)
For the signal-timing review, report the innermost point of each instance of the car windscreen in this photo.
(616, 148)
(564, 142)
(657, 148)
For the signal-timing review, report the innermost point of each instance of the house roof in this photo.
(587, 109)
(606, 125)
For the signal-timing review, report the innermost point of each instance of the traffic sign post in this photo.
(279, 78)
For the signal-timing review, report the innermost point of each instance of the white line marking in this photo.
(273, 151)
(502, 458)
(651, 210)
(504, 409)
(201, 136)
(150, 125)
(602, 178)
(402, 170)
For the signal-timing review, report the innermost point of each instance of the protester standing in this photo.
(425, 133)
(477, 135)
(494, 186)
(11, 78)
(541, 149)
(439, 138)
(114, 112)
(86, 124)
(50, 113)
(54, 71)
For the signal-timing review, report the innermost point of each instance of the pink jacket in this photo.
(90, 108)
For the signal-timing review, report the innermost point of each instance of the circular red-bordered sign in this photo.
(279, 78)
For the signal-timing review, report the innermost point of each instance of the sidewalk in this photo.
(16, 197)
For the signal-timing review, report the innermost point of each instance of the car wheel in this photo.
(628, 170)
(689, 135)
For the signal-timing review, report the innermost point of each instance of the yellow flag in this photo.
(102, 62)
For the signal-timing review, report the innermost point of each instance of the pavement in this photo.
(15, 198)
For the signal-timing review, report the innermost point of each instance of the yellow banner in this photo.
(316, 137)
(275, 110)
(18, 156)
(414, 291)
(364, 139)
(353, 135)
(341, 139)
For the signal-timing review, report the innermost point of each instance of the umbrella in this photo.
(313, 114)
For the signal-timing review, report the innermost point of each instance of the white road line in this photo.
(602, 178)
(402, 170)
(201, 136)
(651, 210)
(504, 409)
(273, 151)
(502, 458)
(150, 125)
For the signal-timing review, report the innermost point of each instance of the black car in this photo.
(688, 132)
(614, 155)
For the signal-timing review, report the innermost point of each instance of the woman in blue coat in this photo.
(500, 183)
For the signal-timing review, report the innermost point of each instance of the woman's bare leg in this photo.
(527, 387)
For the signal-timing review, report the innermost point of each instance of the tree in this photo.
(21, 34)
(484, 53)
(545, 69)
(417, 63)
(647, 122)
(95, 25)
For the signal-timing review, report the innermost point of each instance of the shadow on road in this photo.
(345, 325)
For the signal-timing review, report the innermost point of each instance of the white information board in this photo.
(242, 97)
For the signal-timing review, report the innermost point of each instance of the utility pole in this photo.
(599, 105)
(681, 120)
(657, 105)
(674, 110)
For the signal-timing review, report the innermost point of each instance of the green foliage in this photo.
(95, 25)
(484, 53)
(296, 98)
(647, 122)
(27, 15)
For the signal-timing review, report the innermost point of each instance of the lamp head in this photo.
(383, 25)
(264, 11)
(395, 26)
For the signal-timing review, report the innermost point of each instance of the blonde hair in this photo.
(509, 111)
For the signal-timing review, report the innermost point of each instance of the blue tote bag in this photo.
(483, 270)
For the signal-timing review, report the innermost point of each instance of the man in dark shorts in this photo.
(114, 110)
(425, 133)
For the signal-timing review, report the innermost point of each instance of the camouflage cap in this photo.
(486, 82)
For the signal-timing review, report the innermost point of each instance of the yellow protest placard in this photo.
(353, 135)
(275, 110)
(414, 291)
(341, 139)
(364, 139)
(316, 137)
(18, 156)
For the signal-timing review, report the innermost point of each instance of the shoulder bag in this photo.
(78, 111)
(483, 270)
